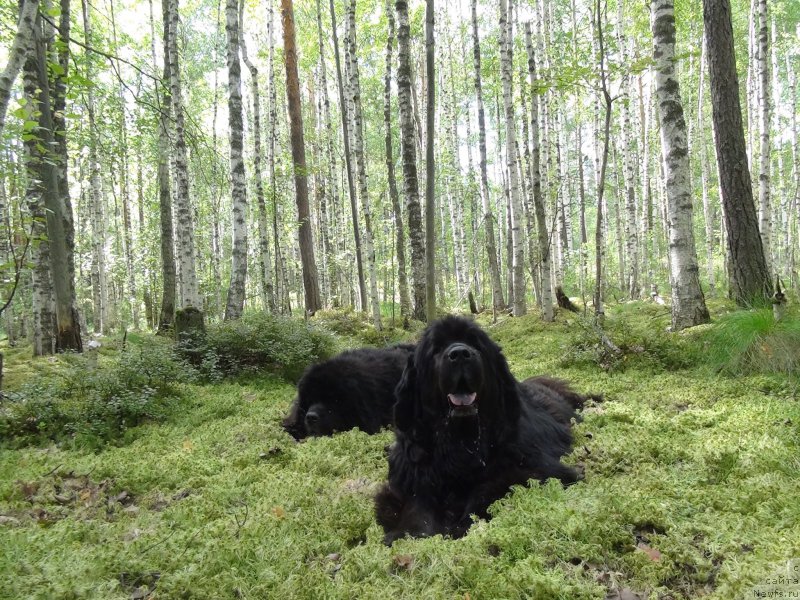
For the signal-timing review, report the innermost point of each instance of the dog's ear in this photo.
(508, 409)
(404, 393)
(294, 422)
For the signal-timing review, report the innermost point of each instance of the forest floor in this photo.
(691, 491)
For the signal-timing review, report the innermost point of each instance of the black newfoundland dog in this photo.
(467, 431)
(353, 389)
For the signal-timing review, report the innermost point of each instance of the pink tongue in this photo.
(461, 399)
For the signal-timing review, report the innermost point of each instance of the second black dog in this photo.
(353, 389)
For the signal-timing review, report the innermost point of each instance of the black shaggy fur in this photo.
(560, 400)
(353, 389)
(466, 432)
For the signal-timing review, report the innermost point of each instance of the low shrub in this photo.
(629, 342)
(258, 341)
(95, 403)
(358, 327)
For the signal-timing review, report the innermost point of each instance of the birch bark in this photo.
(688, 303)
(235, 303)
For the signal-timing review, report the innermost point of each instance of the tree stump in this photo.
(189, 323)
(563, 300)
(778, 301)
(190, 332)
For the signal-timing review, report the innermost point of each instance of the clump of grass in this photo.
(258, 342)
(753, 342)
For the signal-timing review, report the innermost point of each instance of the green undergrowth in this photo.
(356, 329)
(257, 342)
(92, 398)
(690, 492)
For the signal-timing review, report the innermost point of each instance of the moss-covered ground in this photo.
(692, 489)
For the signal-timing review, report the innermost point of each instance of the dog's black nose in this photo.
(459, 352)
(312, 417)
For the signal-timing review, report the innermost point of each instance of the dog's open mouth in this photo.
(463, 404)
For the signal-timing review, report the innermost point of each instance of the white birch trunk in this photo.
(127, 238)
(764, 208)
(96, 200)
(236, 292)
(688, 304)
(631, 239)
(536, 185)
(43, 296)
(184, 225)
(708, 215)
(16, 54)
(752, 79)
(402, 277)
(264, 258)
(357, 124)
(518, 247)
(408, 151)
(794, 226)
(488, 217)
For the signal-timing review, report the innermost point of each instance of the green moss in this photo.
(220, 502)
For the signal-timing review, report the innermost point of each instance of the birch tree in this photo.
(517, 242)
(488, 217)
(688, 303)
(17, 53)
(43, 165)
(601, 161)
(409, 157)
(357, 127)
(264, 259)
(235, 303)
(536, 185)
(351, 186)
(96, 201)
(127, 227)
(708, 216)
(184, 222)
(331, 159)
(631, 241)
(764, 209)
(166, 319)
(400, 241)
(43, 297)
(430, 190)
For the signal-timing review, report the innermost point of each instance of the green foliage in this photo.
(258, 341)
(358, 327)
(752, 341)
(639, 331)
(95, 403)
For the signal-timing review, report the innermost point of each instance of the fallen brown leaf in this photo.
(404, 561)
(623, 594)
(652, 553)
